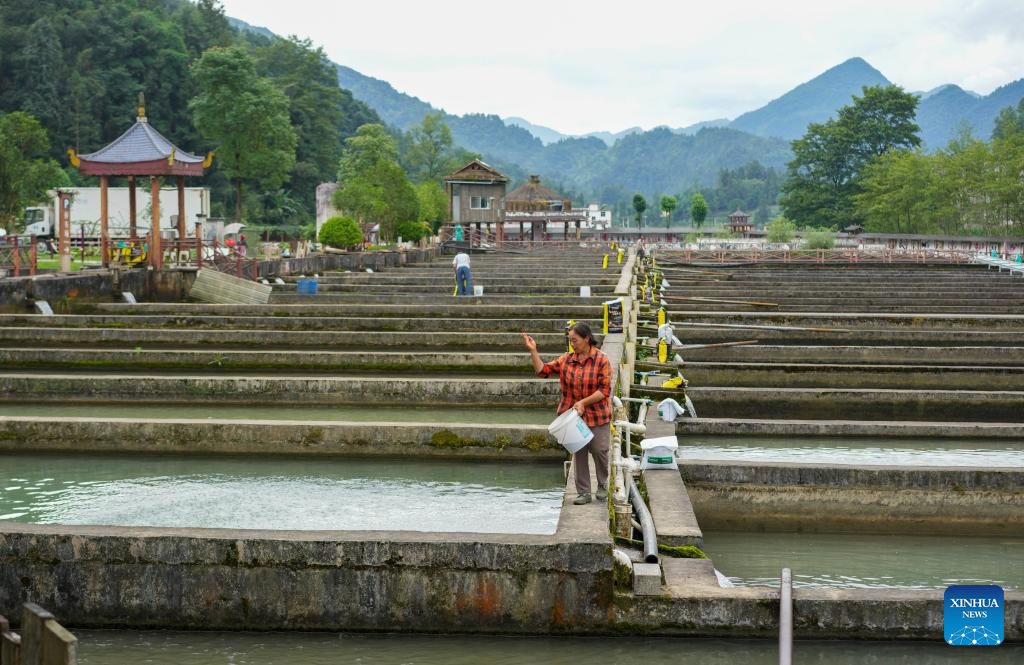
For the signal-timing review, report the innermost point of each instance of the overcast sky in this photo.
(580, 66)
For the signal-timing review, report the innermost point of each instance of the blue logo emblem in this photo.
(973, 615)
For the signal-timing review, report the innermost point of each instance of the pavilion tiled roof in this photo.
(141, 143)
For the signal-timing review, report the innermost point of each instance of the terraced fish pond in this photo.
(281, 493)
(122, 647)
(856, 561)
(863, 451)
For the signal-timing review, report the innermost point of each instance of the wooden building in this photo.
(739, 222)
(534, 204)
(476, 194)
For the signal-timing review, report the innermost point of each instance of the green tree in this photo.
(341, 232)
(412, 230)
(433, 204)
(780, 230)
(668, 205)
(315, 104)
(819, 238)
(25, 170)
(639, 206)
(370, 144)
(430, 149)
(698, 209)
(823, 176)
(246, 116)
(374, 187)
(1010, 121)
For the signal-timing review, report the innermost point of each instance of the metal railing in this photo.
(815, 256)
(16, 257)
(786, 617)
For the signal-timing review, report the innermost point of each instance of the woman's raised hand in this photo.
(531, 344)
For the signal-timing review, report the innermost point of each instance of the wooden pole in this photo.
(181, 211)
(156, 256)
(133, 232)
(104, 220)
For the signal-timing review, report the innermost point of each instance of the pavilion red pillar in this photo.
(181, 210)
(156, 257)
(104, 221)
(133, 232)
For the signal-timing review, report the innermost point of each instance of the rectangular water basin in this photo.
(988, 453)
(281, 493)
(123, 647)
(855, 561)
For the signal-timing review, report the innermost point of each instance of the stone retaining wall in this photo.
(171, 284)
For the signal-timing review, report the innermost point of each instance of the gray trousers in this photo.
(598, 447)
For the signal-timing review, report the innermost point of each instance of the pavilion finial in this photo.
(142, 107)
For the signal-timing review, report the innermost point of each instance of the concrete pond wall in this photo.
(172, 284)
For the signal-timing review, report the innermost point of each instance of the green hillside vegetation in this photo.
(78, 65)
(970, 187)
(868, 167)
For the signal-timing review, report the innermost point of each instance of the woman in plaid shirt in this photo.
(585, 375)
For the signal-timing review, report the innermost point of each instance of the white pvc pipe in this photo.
(622, 558)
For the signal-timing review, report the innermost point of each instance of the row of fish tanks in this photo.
(433, 495)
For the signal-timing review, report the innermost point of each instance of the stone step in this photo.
(316, 340)
(83, 387)
(220, 361)
(851, 403)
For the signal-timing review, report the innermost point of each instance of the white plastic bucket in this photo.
(584, 292)
(478, 290)
(570, 431)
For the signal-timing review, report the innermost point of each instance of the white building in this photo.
(598, 216)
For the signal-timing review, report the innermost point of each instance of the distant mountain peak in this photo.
(815, 100)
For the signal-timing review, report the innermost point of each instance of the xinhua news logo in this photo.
(973, 615)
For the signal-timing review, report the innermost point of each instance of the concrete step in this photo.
(221, 361)
(820, 375)
(428, 311)
(315, 438)
(857, 307)
(262, 389)
(314, 340)
(851, 403)
(904, 355)
(377, 325)
(697, 334)
(858, 320)
(447, 289)
(754, 427)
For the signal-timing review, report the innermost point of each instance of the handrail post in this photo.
(786, 617)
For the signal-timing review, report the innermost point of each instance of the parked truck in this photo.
(42, 221)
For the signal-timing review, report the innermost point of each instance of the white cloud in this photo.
(585, 66)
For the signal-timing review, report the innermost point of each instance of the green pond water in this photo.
(867, 561)
(847, 450)
(497, 416)
(281, 493)
(119, 647)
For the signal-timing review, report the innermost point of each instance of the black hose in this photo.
(646, 521)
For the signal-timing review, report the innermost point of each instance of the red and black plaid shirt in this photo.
(581, 379)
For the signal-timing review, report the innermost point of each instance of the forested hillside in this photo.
(78, 66)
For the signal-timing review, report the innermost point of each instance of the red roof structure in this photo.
(141, 151)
